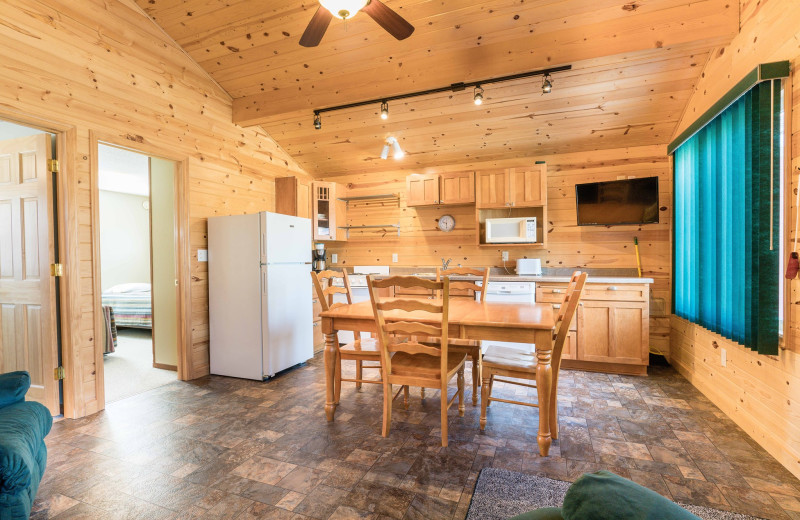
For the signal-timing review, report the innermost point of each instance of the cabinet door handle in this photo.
(612, 288)
(316, 324)
(556, 291)
(556, 305)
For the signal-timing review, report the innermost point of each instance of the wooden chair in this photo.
(467, 289)
(407, 362)
(360, 350)
(509, 362)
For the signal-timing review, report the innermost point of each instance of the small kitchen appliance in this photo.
(529, 267)
(516, 230)
(319, 257)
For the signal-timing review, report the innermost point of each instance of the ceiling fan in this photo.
(392, 22)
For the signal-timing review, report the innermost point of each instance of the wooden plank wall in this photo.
(760, 393)
(421, 243)
(103, 66)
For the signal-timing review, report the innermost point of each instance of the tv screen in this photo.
(629, 201)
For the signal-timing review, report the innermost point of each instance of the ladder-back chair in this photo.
(360, 350)
(407, 362)
(509, 362)
(468, 289)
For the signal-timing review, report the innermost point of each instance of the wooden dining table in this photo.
(468, 319)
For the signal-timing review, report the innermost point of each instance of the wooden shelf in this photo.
(375, 226)
(370, 197)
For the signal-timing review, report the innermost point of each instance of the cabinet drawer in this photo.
(615, 292)
(412, 291)
(319, 338)
(550, 293)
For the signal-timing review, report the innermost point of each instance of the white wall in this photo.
(124, 239)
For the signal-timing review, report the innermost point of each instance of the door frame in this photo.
(182, 250)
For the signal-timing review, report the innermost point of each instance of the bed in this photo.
(132, 304)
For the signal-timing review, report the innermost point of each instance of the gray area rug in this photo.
(501, 494)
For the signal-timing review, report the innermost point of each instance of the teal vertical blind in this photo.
(727, 227)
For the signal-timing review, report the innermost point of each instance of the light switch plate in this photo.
(202, 255)
(723, 357)
(334, 258)
(394, 258)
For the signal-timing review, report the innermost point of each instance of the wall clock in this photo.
(447, 223)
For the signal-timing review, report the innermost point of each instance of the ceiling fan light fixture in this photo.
(547, 84)
(478, 96)
(384, 110)
(344, 9)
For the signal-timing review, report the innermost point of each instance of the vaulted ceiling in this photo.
(634, 64)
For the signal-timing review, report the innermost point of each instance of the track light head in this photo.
(317, 121)
(547, 84)
(384, 110)
(478, 96)
(391, 143)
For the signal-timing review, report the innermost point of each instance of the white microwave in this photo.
(519, 230)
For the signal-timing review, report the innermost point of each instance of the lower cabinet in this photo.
(610, 331)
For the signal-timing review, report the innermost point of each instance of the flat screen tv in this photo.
(629, 201)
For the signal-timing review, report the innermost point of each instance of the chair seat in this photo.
(365, 347)
(423, 365)
(508, 357)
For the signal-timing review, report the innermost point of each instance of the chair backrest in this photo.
(325, 294)
(567, 311)
(398, 333)
(466, 284)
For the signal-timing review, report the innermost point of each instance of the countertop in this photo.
(541, 279)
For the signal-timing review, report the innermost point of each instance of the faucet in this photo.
(445, 264)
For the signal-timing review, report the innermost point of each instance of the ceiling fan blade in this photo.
(394, 24)
(316, 28)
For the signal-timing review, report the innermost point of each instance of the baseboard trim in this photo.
(174, 368)
(608, 368)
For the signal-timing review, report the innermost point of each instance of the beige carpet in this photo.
(129, 370)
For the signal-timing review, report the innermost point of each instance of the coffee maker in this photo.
(319, 257)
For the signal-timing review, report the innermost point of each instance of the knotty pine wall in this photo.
(760, 393)
(102, 66)
(421, 243)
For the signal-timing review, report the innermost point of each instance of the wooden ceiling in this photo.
(634, 64)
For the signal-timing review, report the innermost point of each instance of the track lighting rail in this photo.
(455, 87)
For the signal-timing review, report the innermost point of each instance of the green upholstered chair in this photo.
(23, 455)
(607, 496)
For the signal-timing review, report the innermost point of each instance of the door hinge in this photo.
(58, 373)
(52, 165)
(57, 270)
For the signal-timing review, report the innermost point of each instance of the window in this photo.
(728, 214)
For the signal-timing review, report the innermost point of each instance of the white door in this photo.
(287, 316)
(285, 239)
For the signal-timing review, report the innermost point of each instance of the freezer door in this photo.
(285, 239)
(287, 316)
(234, 301)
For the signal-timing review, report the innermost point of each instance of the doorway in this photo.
(29, 302)
(138, 271)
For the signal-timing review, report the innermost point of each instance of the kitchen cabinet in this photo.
(292, 197)
(440, 189)
(329, 212)
(512, 187)
(610, 332)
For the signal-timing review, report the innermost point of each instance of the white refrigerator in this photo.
(260, 309)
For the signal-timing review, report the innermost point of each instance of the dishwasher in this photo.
(512, 292)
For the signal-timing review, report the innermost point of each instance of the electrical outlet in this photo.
(723, 357)
(202, 255)
(394, 258)
(505, 256)
(334, 258)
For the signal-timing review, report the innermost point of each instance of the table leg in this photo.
(331, 355)
(544, 380)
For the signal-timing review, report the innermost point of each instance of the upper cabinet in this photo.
(512, 187)
(292, 197)
(445, 188)
(328, 212)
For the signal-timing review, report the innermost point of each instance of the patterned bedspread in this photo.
(131, 309)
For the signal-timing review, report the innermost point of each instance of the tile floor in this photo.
(229, 448)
